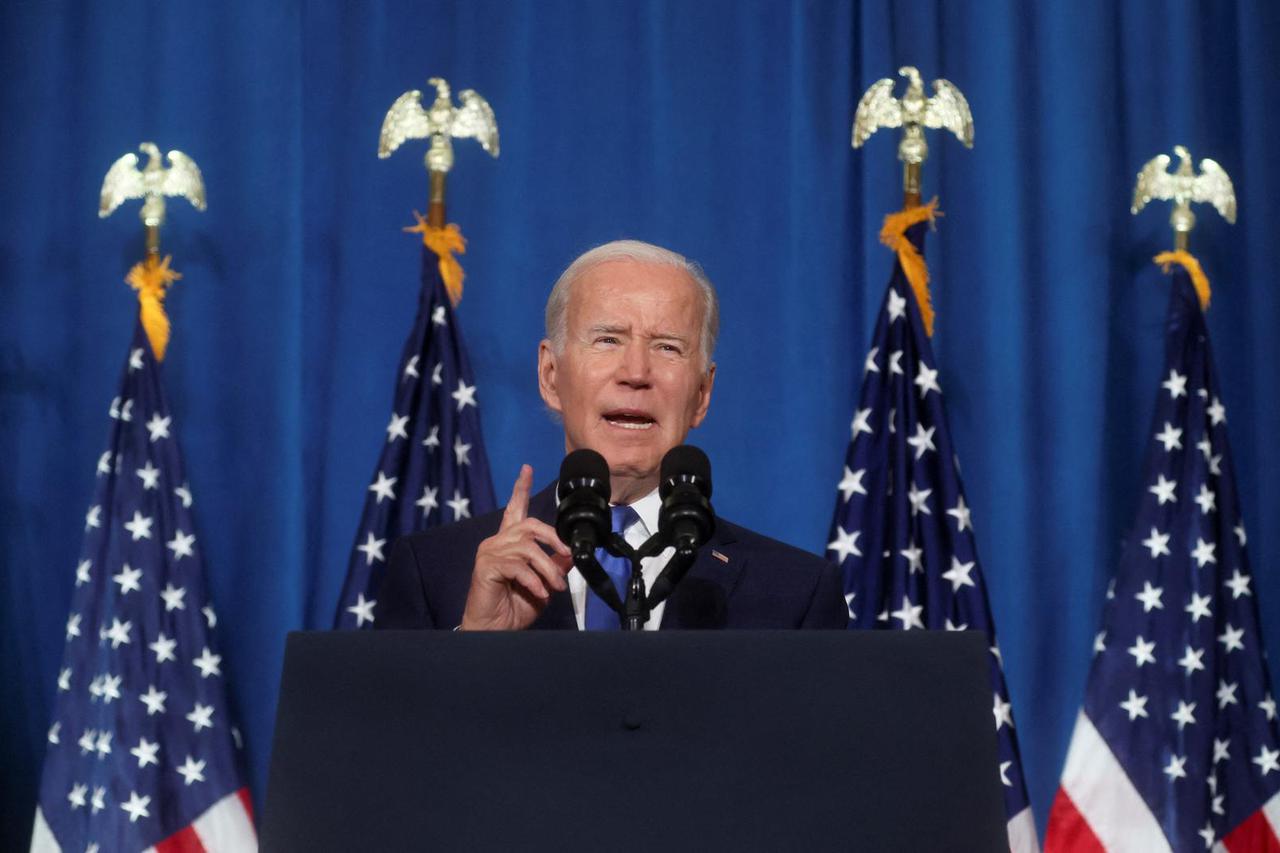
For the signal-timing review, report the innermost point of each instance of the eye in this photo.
(605, 339)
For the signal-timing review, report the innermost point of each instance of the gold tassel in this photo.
(894, 235)
(1189, 263)
(151, 278)
(444, 242)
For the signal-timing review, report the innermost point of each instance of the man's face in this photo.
(630, 382)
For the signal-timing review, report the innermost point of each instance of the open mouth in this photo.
(629, 419)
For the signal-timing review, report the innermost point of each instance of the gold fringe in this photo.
(444, 242)
(1189, 263)
(894, 235)
(151, 279)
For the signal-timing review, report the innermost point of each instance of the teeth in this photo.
(631, 424)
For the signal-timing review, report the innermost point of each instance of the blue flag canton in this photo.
(902, 532)
(1179, 689)
(433, 468)
(141, 741)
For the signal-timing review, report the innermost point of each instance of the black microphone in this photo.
(582, 517)
(686, 519)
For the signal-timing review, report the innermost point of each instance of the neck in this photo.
(628, 490)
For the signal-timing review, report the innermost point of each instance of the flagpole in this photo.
(435, 205)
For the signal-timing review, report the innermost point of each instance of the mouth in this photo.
(632, 419)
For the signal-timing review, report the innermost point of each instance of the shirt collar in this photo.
(647, 508)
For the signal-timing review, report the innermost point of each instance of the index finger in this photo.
(518, 506)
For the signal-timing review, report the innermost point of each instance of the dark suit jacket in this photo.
(763, 583)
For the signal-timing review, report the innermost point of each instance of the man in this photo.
(626, 365)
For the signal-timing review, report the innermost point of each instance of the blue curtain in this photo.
(720, 129)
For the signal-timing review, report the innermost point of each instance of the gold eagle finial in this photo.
(1184, 188)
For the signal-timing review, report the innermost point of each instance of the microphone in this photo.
(686, 519)
(582, 517)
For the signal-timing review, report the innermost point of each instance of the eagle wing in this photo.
(949, 110)
(878, 108)
(1154, 181)
(405, 120)
(1214, 186)
(183, 178)
(475, 118)
(123, 182)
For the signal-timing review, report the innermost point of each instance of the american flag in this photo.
(142, 751)
(902, 531)
(432, 469)
(1176, 745)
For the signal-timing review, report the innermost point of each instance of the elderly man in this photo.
(626, 364)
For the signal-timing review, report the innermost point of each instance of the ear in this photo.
(547, 376)
(704, 396)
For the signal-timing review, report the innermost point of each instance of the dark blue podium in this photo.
(741, 741)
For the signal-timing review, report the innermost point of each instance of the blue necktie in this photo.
(599, 616)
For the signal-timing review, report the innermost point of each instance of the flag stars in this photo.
(54, 735)
(437, 316)
(173, 598)
(103, 747)
(848, 603)
(1268, 707)
(99, 800)
(1240, 534)
(201, 717)
(192, 770)
(1135, 706)
(154, 700)
(183, 493)
(845, 544)
(1150, 597)
(870, 366)
(73, 625)
(119, 633)
(104, 462)
(93, 518)
(1003, 712)
(1238, 584)
(77, 796)
(362, 610)
(958, 574)
(461, 451)
(437, 374)
(1226, 695)
(158, 427)
(851, 483)
(1205, 499)
(1143, 652)
(110, 690)
(411, 368)
(1099, 642)
(465, 395)
(1215, 465)
(909, 614)
(372, 549)
(895, 363)
(1176, 384)
(145, 752)
(1217, 412)
(140, 526)
(1221, 750)
(922, 441)
(1157, 543)
(927, 379)
(128, 579)
(1199, 607)
(208, 663)
(917, 497)
(961, 514)
(182, 545)
(432, 441)
(64, 680)
(1232, 639)
(1267, 760)
(915, 561)
(1184, 715)
(87, 741)
(428, 500)
(1192, 660)
(136, 807)
(1203, 553)
(897, 306)
(135, 359)
(1175, 768)
(82, 572)
(210, 618)
(953, 626)
(1004, 773)
(1170, 437)
(1164, 490)
(163, 647)
(397, 427)
(150, 475)
(384, 487)
(861, 423)
(460, 506)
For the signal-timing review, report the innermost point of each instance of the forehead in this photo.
(635, 291)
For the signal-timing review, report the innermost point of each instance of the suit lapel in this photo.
(701, 599)
(558, 614)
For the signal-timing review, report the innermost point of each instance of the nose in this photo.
(634, 367)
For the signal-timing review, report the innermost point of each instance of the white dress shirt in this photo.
(647, 508)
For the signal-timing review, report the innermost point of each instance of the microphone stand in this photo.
(634, 612)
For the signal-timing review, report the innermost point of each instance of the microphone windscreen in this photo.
(581, 467)
(687, 462)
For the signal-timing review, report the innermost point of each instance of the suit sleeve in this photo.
(827, 608)
(402, 599)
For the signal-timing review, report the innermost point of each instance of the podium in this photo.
(742, 741)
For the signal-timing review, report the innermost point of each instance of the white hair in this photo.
(641, 252)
